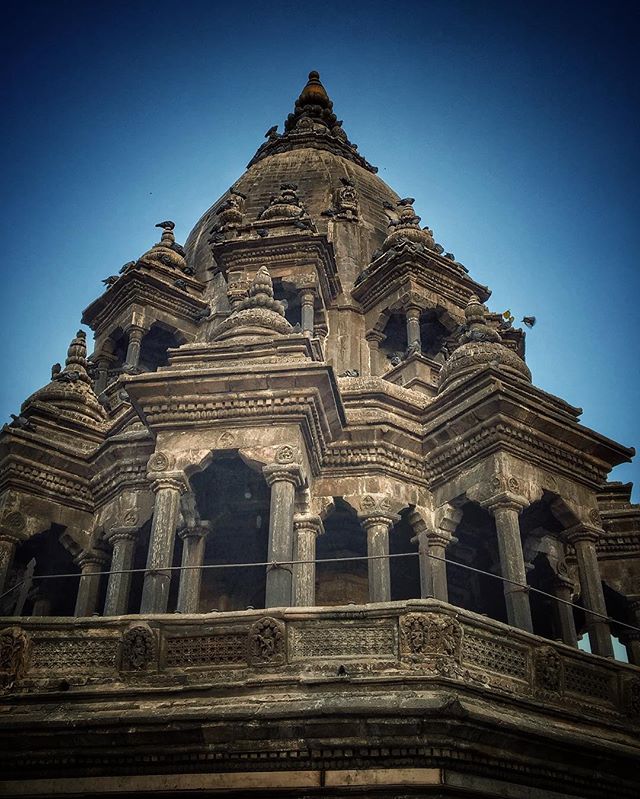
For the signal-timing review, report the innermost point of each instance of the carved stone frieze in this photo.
(548, 670)
(431, 634)
(14, 655)
(139, 648)
(267, 642)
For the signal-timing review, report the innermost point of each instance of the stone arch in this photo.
(344, 582)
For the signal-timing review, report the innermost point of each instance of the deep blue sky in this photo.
(515, 125)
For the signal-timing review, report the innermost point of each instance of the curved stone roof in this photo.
(316, 161)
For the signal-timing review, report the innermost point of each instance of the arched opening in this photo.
(405, 571)
(544, 610)
(48, 597)
(236, 500)
(394, 345)
(154, 350)
(343, 582)
(290, 297)
(477, 547)
(140, 562)
(433, 333)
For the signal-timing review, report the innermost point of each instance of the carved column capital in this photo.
(135, 331)
(375, 337)
(505, 500)
(124, 533)
(375, 518)
(9, 538)
(283, 473)
(198, 530)
(308, 521)
(175, 480)
(583, 532)
(91, 558)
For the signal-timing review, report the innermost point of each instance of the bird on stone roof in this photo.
(261, 231)
(166, 225)
(189, 270)
(180, 284)
(126, 266)
(109, 281)
(22, 422)
(55, 370)
(406, 201)
(271, 132)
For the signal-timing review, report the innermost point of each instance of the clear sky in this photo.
(514, 125)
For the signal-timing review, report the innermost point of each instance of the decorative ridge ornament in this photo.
(71, 389)
(167, 252)
(259, 315)
(480, 346)
(405, 229)
(312, 124)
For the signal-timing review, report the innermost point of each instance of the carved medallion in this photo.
(138, 648)
(513, 484)
(285, 454)
(548, 670)
(227, 439)
(368, 503)
(14, 654)
(594, 516)
(159, 462)
(428, 634)
(14, 521)
(130, 519)
(266, 642)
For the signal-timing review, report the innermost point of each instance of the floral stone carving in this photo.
(266, 642)
(14, 655)
(548, 670)
(138, 648)
(428, 634)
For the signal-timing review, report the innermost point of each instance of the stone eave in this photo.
(297, 252)
(61, 479)
(312, 140)
(121, 464)
(427, 271)
(143, 287)
(302, 393)
(491, 412)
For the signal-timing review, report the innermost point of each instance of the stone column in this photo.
(193, 543)
(631, 638)
(8, 544)
(506, 510)
(103, 363)
(123, 541)
(91, 564)
(307, 527)
(136, 334)
(414, 342)
(437, 543)
(563, 589)
(307, 297)
(583, 539)
(283, 478)
(167, 487)
(377, 526)
(374, 339)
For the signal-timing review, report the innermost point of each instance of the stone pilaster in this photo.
(563, 588)
(583, 538)
(8, 544)
(132, 360)
(307, 527)
(374, 339)
(91, 564)
(631, 638)
(414, 342)
(506, 509)
(377, 524)
(167, 486)
(193, 543)
(103, 362)
(307, 297)
(123, 541)
(284, 478)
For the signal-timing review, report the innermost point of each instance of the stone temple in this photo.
(302, 525)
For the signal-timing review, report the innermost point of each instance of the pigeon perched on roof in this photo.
(109, 281)
(22, 422)
(166, 225)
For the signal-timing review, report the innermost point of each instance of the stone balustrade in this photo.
(412, 641)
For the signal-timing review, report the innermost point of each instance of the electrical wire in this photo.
(288, 563)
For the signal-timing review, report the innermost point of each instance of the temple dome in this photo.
(316, 162)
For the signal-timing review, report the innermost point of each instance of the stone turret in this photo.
(480, 346)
